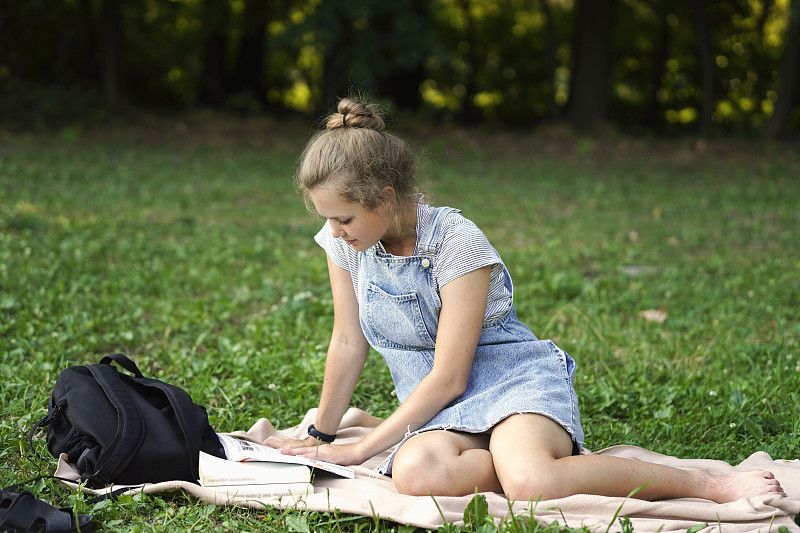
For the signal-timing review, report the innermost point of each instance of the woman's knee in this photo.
(527, 449)
(536, 482)
(416, 470)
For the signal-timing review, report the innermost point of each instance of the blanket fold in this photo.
(371, 494)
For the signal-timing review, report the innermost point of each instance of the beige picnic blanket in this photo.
(373, 495)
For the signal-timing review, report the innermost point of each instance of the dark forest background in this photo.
(719, 68)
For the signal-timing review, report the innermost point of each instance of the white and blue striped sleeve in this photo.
(464, 248)
(342, 254)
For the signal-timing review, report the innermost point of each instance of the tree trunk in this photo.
(249, 69)
(652, 118)
(551, 48)
(590, 98)
(789, 77)
(402, 83)
(469, 113)
(9, 38)
(212, 90)
(89, 63)
(336, 81)
(706, 64)
(112, 46)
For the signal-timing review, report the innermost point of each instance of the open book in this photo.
(243, 450)
(253, 480)
(215, 472)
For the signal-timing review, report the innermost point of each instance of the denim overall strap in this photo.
(429, 241)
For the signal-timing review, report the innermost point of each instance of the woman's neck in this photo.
(402, 241)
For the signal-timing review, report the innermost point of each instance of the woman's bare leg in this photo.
(532, 458)
(444, 463)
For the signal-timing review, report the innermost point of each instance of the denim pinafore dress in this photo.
(512, 372)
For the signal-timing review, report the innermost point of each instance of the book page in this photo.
(243, 450)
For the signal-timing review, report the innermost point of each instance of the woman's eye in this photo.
(345, 222)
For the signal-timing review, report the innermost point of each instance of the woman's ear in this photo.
(389, 195)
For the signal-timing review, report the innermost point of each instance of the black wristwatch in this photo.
(324, 437)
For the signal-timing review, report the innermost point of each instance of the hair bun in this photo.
(352, 113)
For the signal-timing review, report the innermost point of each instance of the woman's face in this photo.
(359, 227)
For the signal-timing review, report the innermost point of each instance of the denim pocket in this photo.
(567, 362)
(396, 320)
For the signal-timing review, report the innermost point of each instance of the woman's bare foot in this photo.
(730, 487)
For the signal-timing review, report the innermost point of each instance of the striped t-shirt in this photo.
(462, 248)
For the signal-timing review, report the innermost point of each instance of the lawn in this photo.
(670, 270)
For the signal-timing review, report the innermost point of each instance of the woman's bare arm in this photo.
(346, 355)
(460, 324)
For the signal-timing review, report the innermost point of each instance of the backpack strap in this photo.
(182, 406)
(44, 421)
(122, 360)
(129, 426)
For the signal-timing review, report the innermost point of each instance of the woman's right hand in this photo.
(288, 443)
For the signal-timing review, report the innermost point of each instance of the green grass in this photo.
(197, 260)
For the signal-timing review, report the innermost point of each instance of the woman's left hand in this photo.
(340, 454)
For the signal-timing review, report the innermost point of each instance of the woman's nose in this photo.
(336, 230)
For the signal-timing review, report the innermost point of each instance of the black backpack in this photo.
(123, 429)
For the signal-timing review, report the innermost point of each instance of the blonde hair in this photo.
(356, 158)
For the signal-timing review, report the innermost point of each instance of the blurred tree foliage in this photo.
(714, 67)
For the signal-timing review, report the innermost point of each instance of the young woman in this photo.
(485, 405)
